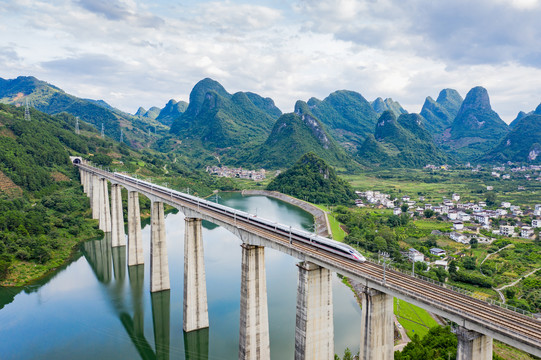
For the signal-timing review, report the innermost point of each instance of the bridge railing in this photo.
(457, 289)
(440, 305)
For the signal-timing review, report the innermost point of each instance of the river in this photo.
(97, 308)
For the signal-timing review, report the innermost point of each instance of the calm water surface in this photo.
(97, 308)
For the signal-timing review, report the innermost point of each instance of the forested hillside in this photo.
(313, 180)
(43, 211)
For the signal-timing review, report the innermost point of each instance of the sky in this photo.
(134, 53)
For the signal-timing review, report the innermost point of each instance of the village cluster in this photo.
(240, 173)
(504, 172)
(467, 218)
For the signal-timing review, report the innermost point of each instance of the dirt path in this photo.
(488, 255)
(517, 281)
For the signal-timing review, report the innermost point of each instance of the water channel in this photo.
(98, 308)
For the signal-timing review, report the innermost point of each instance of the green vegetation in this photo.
(400, 143)
(221, 119)
(52, 100)
(348, 116)
(476, 128)
(415, 320)
(43, 222)
(439, 114)
(523, 140)
(313, 180)
(439, 344)
(294, 135)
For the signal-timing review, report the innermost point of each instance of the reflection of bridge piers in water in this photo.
(99, 259)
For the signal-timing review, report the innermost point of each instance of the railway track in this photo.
(499, 320)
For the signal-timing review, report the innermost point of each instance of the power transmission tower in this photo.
(77, 131)
(26, 111)
(102, 131)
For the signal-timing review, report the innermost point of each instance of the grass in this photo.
(414, 319)
(337, 233)
(509, 353)
(432, 225)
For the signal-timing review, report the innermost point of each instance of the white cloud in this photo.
(135, 53)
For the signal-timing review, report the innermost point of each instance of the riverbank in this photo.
(323, 227)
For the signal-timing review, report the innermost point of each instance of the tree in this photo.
(510, 293)
(452, 267)
(404, 207)
(491, 199)
(469, 263)
(380, 244)
(428, 213)
(431, 242)
(474, 242)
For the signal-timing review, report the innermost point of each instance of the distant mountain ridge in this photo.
(521, 144)
(171, 111)
(295, 134)
(439, 114)
(476, 127)
(53, 100)
(219, 119)
(402, 142)
(379, 105)
(347, 115)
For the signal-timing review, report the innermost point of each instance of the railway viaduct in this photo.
(479, 322)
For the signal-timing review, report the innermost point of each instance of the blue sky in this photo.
(134, 53)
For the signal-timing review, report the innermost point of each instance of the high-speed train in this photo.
(293, 234)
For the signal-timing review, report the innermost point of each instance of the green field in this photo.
(432, 225)
(434, 185)
(414, 319)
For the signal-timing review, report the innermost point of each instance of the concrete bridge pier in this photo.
(473, 345)
(118, 237)
(135, 238)
(377, 326)
(95, 198)
(159, 266)
(314, 330)
(105, 208)
(254, 340)
(88, 181)
(82, 175)
(196, 314)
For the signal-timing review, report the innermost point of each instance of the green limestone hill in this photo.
(439, 114)
(171, 111)
(521, 144)
(379, 105)
(264, 104)
(476, 128)
(295, 134)
(348, 116)
(522, 114)
(52, 100)
(218, 119)
(402, 142)
(311, 179)
(150, 114)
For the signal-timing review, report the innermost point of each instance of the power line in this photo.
(102, 131)
(27, 111)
